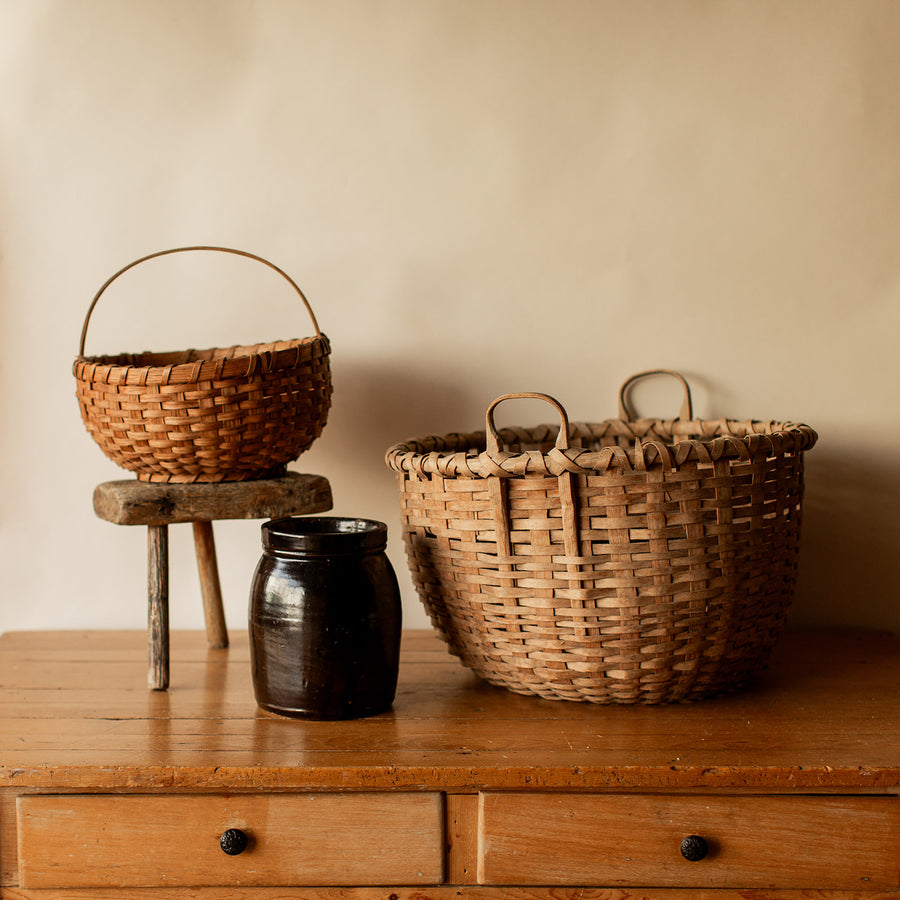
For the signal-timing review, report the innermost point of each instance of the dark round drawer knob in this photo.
(233, 841)
(694, 848)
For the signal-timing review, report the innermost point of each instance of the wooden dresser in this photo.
(787, 790)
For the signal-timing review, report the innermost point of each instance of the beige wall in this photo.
(477, 197)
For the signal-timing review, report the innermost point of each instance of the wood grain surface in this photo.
(635, 839)
(74, 710)
(147, 840)
(440, 892)
(76, 718)
(131, 502)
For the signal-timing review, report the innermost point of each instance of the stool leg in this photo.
(158, 613)
(207, 566)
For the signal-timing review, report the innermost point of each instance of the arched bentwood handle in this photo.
(493, 439)
(131, 265)
(626, 412)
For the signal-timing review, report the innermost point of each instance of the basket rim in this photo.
(191, 365)
(462, 454)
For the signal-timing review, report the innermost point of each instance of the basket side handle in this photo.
(626, 411)
(136, 262)
(492, 438)
(565, 480)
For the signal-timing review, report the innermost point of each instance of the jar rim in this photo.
(324, 535)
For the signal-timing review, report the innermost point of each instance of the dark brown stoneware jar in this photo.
(325, 619)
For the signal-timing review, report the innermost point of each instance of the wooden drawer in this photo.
(300, 839)
(847, 843)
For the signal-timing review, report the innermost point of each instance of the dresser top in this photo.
(75, 714)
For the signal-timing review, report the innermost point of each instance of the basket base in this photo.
(609, 698)
(711, 676)
(212, 478)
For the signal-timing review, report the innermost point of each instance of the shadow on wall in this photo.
(850, 546)
(381, 405)
(377, 405)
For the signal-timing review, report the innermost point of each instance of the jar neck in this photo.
(323, 536)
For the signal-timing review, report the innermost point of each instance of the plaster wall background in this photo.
(476, 197)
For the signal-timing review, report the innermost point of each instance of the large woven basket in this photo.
(232, 414)
(629, 561)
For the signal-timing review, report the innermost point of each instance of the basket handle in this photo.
(626, 412)
(493, 439)
(567, 492)
(131, 265)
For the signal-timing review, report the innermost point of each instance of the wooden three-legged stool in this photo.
(158, 505)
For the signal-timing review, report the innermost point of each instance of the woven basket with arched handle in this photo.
(224, 414)
(628, 561)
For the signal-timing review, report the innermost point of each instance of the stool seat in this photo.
(158, 505)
